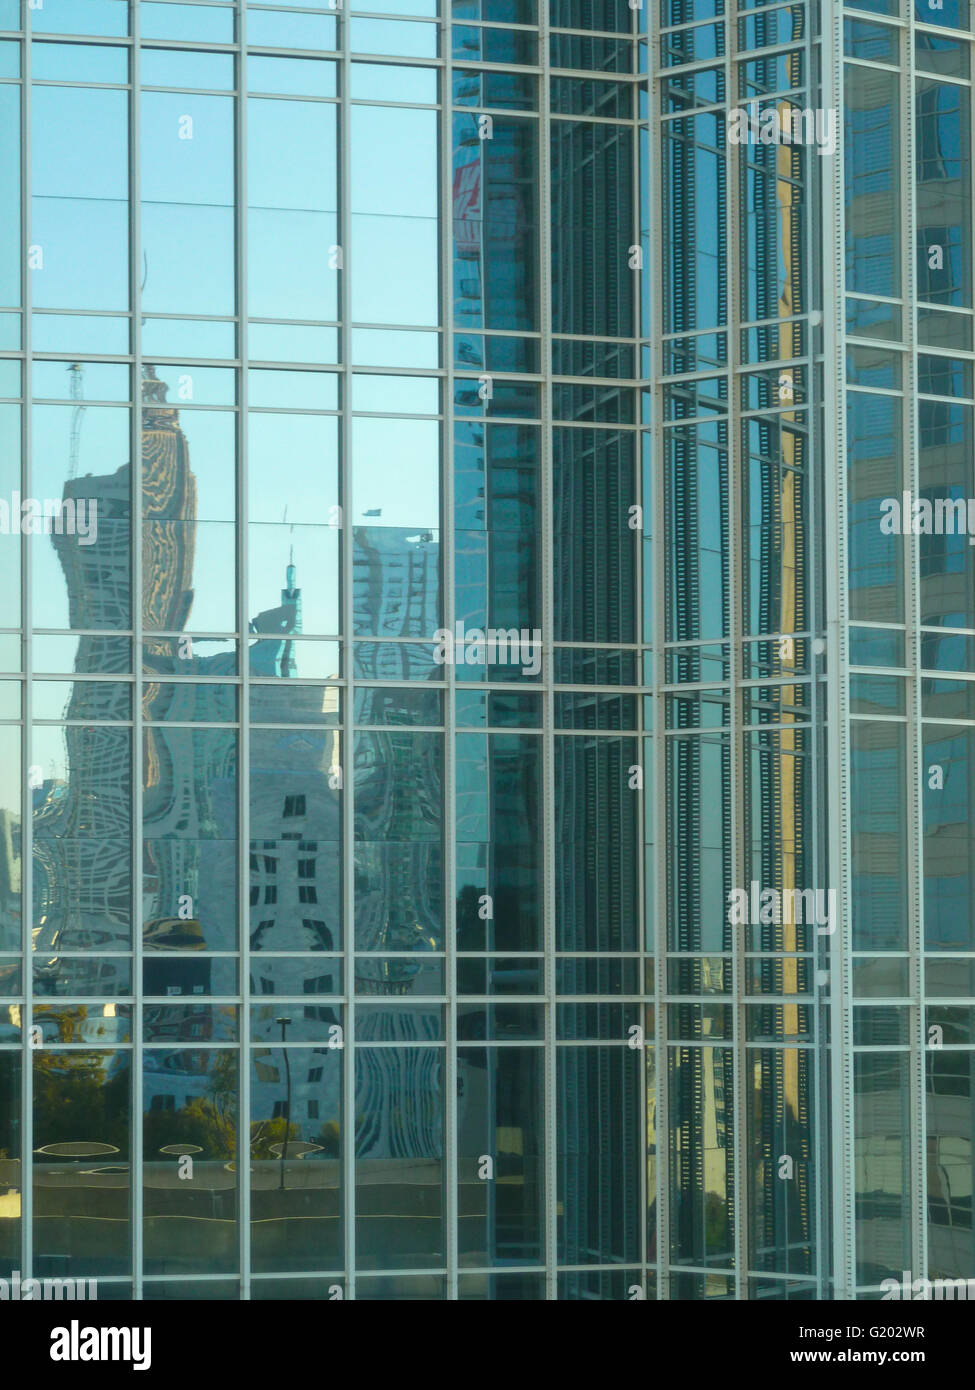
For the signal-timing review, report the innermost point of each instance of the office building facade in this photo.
(485, 782)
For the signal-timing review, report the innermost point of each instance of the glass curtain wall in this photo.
(324, 965)
(909, 402)
(442, 571)
(733, 626)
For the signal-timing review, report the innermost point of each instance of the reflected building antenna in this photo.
(291, 598)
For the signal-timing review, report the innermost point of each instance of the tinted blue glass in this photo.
(346, 526)
(495, 222)
(496, 511)
(472, 44)
(177, 68)
(295, 875)
(872, 182)
(596, 884)
(944, 194)
(879, 832)
(876, 551)
(606, 1229)
(292, 204)
(189, 865)
(10, 192)
(952, 13)
(71, 62)
(399, 1156)
(80, 199)
(949, 909)
(93, 17)
(194, 23)
(290, 30)
(394, 202)
(946, 558)
(499, 842)
(694, 193)
(187, 204)
(508, 1130)
(592, 164)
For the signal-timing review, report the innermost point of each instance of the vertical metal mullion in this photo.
(658, 636)
(452, 1196)
(135, 309)
(819, 803)
(348, 740)
(837, 663)
(914, 768)
(643, 795)
(27, 836)
(244, 712)
(548, 634)
(735, 160)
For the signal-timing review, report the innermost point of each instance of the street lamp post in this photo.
(287, 1102)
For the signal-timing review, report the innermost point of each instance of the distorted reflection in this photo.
(702, 1154)
(399, 1157)
(295, 879)
(190, 1100)
(81, 1162)
(883, 1184)
(499, 841)
(599, 1155)
(10, 1163)
(499, 1092)
(398, 841)
(296, 1208)
(950, 1118)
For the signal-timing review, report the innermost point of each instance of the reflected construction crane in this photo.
(76, 374)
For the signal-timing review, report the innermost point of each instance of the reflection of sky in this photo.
(94, 17)
(103, 445)
(316, 559)
(396, 468)
(394, 161)
(291, 155)
(81, 196)
(394, 215)
(197, 22)
(187, 203)
(49, 751)
(80, 188)
(9, 450)
(187, 191)
(390, 7)
(10, 578)
(293, 484)
(66, 167)
(9, 180)
(211, 435)
(292, 467)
